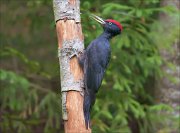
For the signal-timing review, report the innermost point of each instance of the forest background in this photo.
(140, 91)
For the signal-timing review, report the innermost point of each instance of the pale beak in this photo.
(98, 19)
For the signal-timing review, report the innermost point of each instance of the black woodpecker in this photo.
(94, 62)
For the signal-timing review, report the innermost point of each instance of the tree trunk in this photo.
(70, 42)
(169, 92)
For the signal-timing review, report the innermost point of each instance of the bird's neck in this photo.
(106, 35)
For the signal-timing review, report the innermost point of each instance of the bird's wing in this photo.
(95, 63)
(94, 72)
(94, 76)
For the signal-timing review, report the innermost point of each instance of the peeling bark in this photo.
(71, 44)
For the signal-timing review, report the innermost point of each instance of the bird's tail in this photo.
(89, 99)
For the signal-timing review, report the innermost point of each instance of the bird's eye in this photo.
(110, 23)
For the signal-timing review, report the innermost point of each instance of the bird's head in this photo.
(109, 25)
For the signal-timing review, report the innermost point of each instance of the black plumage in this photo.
(94, 62)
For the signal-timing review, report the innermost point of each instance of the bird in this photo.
(94, 61)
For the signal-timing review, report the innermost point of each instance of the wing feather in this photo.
(96, 63)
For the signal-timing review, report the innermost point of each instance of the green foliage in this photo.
(28, 98)
(11, 52)
(135, 65)
(23, 104)
(11, 90)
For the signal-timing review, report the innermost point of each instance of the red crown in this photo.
(115, 22)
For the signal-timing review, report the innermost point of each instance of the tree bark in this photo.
(67, 31)
(167, 91)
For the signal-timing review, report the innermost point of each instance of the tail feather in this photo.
(89, 99)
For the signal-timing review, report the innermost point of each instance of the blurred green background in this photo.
(127, 101)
